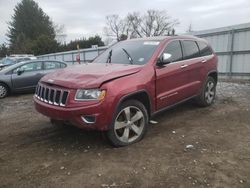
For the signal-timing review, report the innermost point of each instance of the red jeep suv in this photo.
(129, 83)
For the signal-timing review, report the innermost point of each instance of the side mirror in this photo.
(19, 71)
(164, 59)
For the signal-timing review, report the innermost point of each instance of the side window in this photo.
(204, 49)
(36, 66)
(190, 49)
(52, 65)
(174, 48)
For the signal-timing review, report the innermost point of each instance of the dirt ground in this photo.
(34, 153)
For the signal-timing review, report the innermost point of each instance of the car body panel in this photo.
(171, 84)
(89, 75)
(27, 80)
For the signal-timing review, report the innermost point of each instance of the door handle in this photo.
(183, 66)
(204, 61)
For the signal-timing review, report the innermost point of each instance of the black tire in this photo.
(4, 91)
(128, 126)
(207, 95)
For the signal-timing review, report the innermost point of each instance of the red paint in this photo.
(165, 86)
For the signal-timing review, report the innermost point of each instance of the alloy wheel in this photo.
(3, 91)
(210, 92)
(129, 124)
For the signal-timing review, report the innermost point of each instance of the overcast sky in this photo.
(83, 18)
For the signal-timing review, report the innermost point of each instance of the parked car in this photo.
(16, 58)
(128, 84)
(24, 76)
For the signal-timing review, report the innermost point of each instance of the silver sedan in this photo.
(24, 76)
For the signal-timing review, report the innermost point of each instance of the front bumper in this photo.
(73, 115)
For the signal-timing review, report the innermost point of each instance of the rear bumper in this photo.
(74, 115)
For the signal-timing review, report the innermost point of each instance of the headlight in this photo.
(90, 94)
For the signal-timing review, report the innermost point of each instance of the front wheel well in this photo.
(141, 97)
(214, 75)
(9, 90)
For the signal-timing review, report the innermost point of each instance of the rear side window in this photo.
(190, 49)
(52, 65)
(174, 48)
(204, 49)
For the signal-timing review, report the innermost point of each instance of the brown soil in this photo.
(34, 153)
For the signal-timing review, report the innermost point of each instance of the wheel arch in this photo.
(8, 87)
(141, 96)
(214, 75)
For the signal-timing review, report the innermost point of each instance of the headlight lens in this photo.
(90, 94)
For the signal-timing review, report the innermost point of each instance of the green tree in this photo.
(3, 50)
(44, 45)
(28, 24)
(84, 43)
(96, 40)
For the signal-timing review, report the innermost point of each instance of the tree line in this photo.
(31, 31)
(137, 25)
(44, 45)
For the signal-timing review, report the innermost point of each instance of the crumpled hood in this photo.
(90, 75)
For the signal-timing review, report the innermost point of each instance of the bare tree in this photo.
(152, 23)
(115, 26)
(134, 21)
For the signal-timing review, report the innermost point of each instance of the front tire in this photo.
(4, 91)
(207, 96)
(129, 124)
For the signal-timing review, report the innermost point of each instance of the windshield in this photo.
(129, 52)
(9, 68)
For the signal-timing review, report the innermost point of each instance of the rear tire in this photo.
(4, 91)
(129, 124)
(207, 96)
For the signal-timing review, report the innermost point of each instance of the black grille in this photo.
(51, 95)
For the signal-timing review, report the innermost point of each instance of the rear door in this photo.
(193, 67)
(171, 79)
(207, 58)
(32, 73)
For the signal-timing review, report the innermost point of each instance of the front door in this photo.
(31, 73)
(171, 79)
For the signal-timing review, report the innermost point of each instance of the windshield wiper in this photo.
(109, 57)
(129, 57)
